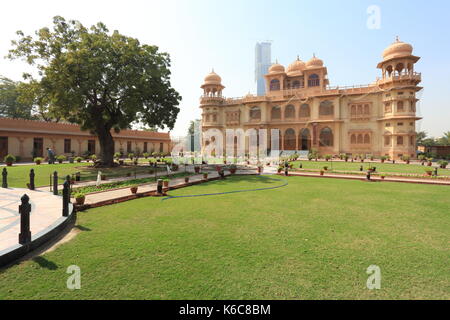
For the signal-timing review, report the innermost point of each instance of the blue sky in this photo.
(201, 34)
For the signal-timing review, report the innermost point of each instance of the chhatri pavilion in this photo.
(376, 119)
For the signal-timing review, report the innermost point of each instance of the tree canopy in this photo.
(98, 80)
(11, 104)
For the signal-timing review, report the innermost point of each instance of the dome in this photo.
(296, 67)
(314, 63)
(213, 78)
(397, 50)
(276, 68)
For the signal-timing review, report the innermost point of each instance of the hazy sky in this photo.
(202, 34)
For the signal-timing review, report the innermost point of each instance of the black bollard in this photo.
(78, 176)
(160, 186)
(4, 178)
(24, 211)
(66, 199)
(436, 172)
(301, 166)
(55, 183)
(222, 174)
(286, 171)
(31, 186)
(368, 175)
(361, 168)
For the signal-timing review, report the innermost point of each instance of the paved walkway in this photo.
(46, 210)
(374, 178)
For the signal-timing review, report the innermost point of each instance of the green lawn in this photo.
(399, 168)
(312, 239)
(18, 175)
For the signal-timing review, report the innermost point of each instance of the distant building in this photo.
(262, 65)
(439, 151)
(377, 119)
(30, 138)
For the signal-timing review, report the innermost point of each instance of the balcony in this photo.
(205, 100)
(415, 76)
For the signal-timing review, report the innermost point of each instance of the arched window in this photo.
(387, 140)
(304, 111)
(255, 113)
(389, 70)
(353, 139)
(360, 139)
(387, 107)
(399, 140)
(366, 138)
(289, 139)
(313, 80)
(360, 109)
(274, 85)
(289, 112)
(275, 113)
(326, 137)
(400, 107)
(296, 84)
(399, 68)
(326, 108)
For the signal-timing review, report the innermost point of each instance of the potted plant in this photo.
(134, 189)
(9, 160)
(430, 161)
(103, 176)
(383, 176)
(38, 160)
(205, 175)
(78, 159)
(406, 159)
(327, 157)
(166, 183)
(131, 155)
(429, 172)
(443, 164)
(93, 158)
(186, 179)
(346, 158)
(79, 198)
(145, 154)
(61, 158)
(325, 168)
(321, 172)
(197, 169)
(383, 159)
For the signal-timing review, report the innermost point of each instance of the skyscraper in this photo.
(262, 65)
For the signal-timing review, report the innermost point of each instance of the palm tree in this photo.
(445, 139)
(420, 137)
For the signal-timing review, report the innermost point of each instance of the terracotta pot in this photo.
(321, 172)
(205, 176)
(233, 171)
(382, 160)
(197, 169)
(9, 164)
(382, 177)
(165, 184)
(186, 179)
(80, 201)
(429, 173)
(134, 190)
(430, 164)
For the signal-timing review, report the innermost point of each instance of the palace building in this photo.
(376, 119)
(29, 138)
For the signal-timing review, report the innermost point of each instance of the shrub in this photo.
(117, 155)
(79, 195)
(131, 155)
(38, 160)
(443, 164)
(93, 157)
(9, 158)
(145, 154)
(78, 159)
(421, 157)
(327, 157)
(406, 158)
(61, 158)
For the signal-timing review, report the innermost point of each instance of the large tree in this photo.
(11, 105)
(101, 81)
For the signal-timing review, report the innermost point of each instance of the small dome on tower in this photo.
(296, 67)
(213, 78)
(397, 50)
(314, 62)
(276, 68)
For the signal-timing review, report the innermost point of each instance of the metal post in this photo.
(68, 180)
(368, 175)
(24, 211)
(160, 186)
(55, 183)
(66, 199)
(32, 179)
(4, 178)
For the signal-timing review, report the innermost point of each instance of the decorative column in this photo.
(24, 210)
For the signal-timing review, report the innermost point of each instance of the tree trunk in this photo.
(106, 147)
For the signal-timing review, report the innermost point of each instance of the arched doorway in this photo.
(289, 139)
(305, 138)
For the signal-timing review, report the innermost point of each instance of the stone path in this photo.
(46, 210)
